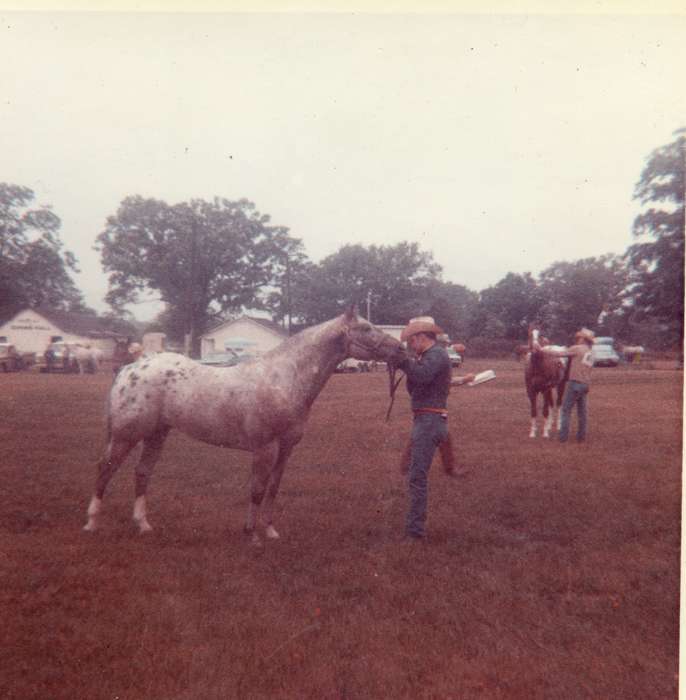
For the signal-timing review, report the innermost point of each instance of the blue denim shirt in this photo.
(428, 378)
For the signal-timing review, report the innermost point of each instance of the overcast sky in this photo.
(499, 143)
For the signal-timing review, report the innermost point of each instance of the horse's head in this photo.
(364, 341)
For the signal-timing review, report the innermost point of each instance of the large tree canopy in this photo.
(580, 293)
(203, 258)
(506, 308)
(657, 260)
(34, 269)
(389, 280)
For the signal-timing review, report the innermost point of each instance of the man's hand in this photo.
(398, 357)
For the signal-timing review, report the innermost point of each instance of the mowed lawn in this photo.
(552, 571)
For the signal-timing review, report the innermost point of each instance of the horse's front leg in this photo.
(532, 401)
(264, 459)
(285, 450)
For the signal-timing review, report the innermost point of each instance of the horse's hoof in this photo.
(271, 533)
(90, 527)
(143, 527)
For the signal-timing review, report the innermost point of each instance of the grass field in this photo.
(551, 571)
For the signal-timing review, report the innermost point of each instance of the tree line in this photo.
(208, 260)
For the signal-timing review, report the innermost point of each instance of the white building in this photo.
(244, 334)
(32, 330)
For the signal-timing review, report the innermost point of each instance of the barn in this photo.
(245, 333)
(32, 329)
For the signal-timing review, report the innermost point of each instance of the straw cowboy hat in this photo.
(420, 324)
(585, 334)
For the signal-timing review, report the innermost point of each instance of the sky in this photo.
(498, 142)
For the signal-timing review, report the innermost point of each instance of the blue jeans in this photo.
(575, 394)
(428, 431)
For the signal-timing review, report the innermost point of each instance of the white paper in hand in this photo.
(482, 377)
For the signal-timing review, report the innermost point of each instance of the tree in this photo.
(34, 270)
(394, 279)
(452, 306)
(580, 293)
(657, 260)
(205, 259)
(510, 305)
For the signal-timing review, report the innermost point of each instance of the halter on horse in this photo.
(542, 374)
(259, 406)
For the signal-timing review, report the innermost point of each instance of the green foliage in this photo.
(507, 308)
(657, 260)
(396, 278)
(34, 269)
(585, 292)
(203, 258)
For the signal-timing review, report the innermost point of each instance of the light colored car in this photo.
(225, 359)
(58, 358)
(603, 352)
(455, 357)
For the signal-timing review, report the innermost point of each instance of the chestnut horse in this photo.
(542, 374)
(260, 406)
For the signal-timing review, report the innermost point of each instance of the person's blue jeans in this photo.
(428, 431)
(576, 394)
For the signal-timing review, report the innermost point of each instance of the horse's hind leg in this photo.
(264, 459)
(115, 453)
(152, 447)
(547, 413)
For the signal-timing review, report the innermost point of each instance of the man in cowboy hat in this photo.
(576, 393)
(428, 383)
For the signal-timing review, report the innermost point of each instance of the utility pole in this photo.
(369, 305)
(190, 293)
(288, 292)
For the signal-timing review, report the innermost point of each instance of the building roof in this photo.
(264, 322)
(77, 324)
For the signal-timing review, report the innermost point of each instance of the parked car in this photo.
(348, 365)
(11, 360)
(455, 357)
(58, 358)
(603, 352)
(225, 359)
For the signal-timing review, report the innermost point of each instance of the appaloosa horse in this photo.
(542, 374)
(260, 406)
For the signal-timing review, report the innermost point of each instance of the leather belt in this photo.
(442, 412)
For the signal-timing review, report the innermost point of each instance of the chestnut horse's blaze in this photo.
(260, 406)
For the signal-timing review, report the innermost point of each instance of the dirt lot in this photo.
(552, 571)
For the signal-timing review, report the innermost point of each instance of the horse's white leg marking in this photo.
(115, 454)
(547, 426)
(93, 512)
(532, 432)
(140, 515)
(263, 461)
(274, 483)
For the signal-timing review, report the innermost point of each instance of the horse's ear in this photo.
(350, 314)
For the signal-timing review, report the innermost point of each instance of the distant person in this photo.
(576, 393)
(135, 351)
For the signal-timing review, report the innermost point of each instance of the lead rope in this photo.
(392, 386)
